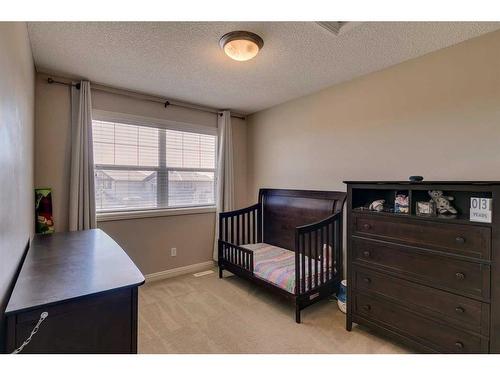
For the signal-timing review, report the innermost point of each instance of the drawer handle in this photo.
(459, 345)
(460, 276)
(459, 310)
(367, 280)
(366, 226)
(366, 308)
(366, 254)
(460, 240)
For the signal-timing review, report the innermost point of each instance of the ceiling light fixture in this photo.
(241, 45)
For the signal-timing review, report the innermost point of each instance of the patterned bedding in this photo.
(277, 265)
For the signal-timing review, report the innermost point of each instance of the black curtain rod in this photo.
(166, 103)
(51, 80)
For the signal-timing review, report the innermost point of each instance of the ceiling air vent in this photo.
(338, 27)
(332, 26)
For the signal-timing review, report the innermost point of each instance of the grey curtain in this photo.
(81, 191)
(225, 172)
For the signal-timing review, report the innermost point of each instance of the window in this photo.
(141, 167)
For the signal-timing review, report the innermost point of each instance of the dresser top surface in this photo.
(65, 266)
(424, 182)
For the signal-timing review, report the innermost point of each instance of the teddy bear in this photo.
(377, 205)
(443, 205)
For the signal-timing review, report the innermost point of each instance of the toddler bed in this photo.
(289, 242)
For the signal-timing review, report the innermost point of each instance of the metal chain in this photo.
(43, 316)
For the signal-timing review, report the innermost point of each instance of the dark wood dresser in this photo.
(88, 286)
(430, 282)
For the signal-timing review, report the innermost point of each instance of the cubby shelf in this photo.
(361, 199)
(459, 219)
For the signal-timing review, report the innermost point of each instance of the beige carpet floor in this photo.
(190, 314)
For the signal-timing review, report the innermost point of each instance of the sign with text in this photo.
(480, 209)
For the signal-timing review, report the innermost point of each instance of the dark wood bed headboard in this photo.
(283, 210)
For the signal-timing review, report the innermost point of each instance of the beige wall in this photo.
(53, 146)
(17, 101)
(436, 116)
(123, 104)
(148, 240)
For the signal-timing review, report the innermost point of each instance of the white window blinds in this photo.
(142, 167)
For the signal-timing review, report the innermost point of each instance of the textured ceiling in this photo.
(182, 60)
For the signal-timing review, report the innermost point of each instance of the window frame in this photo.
(162, 171)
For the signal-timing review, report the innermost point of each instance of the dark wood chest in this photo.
(88, 286)
(431, 282)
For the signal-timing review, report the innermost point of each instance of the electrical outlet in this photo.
(173, 252)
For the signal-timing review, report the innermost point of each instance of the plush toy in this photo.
(443, 205)
(377, 205)
(401, 204)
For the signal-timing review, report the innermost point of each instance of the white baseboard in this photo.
(192, 268)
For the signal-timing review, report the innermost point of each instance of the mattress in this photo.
(277, 265)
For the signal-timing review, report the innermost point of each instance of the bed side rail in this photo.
(318, 255)
(237, 228)
(241, 226)
(236, 255)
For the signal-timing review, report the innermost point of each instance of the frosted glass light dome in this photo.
(241, 45)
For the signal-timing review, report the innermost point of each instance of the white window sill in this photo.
(128, 215)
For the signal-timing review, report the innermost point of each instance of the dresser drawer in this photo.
(432, 334)
(468, 278)
(92, 325)
(474, 241)
(461, 311)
